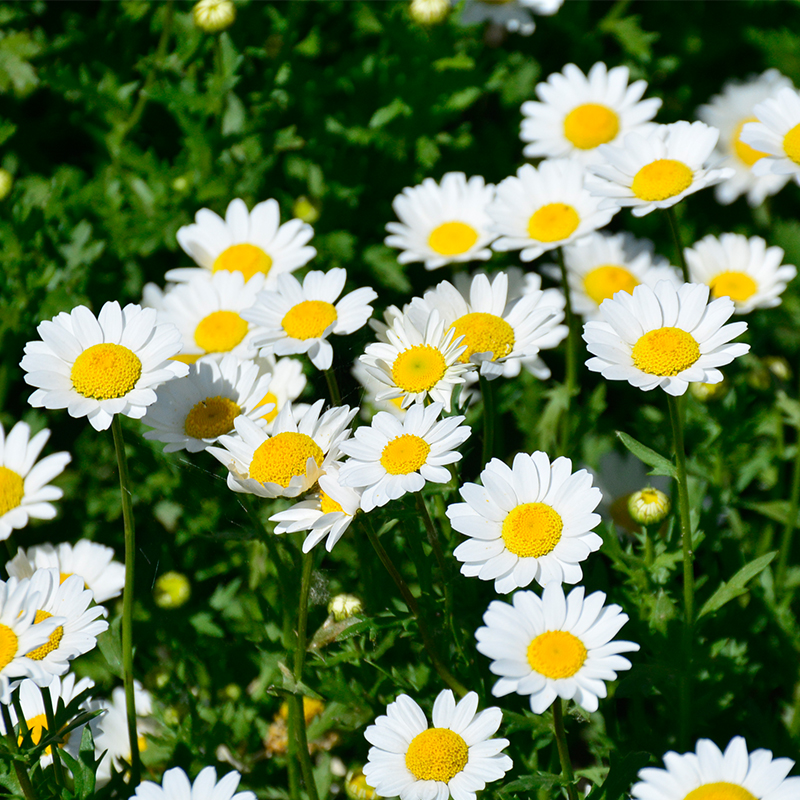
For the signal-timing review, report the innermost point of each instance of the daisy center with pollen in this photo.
(220, 331)
(604, 282)
(721, 790)
(405, 454)
(211, 418)
(284, 456)
(748, 155)
(452, 238)
(270, 397)
(12, 490)
(419, 368)
(437, 754)
(9, 644)
(532, 530)
(556, 654)
(791, 144)
(589, 125)
(739, 286)
(328, 505)
(665, 351)
(309, 319)
(105, 371)
(661, 179)
(553, 222)
(484, 333)
(52, 643)
(245, 258)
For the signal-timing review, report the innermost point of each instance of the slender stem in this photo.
(676, 235)
(51, 729)
(648, 546)
(20, 768)
(571, 375)
(563, 750)
(127, 598)
(791, 520)
(487, 395)
(333, 387)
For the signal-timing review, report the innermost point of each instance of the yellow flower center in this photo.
(791, 144)
(590, 125)
(283, 456)
(327, 504)
(405, 454)
(269, 397)
(532, 530)
(62, 576)
(748, 155)
(720, 791)
(52, 643)
(211, 418)
(739, 286)
(186, 358)
(437, 754)
(12, 490)
(245, 258)
(419, 368)
(484, 333)
(556, 654)
(553, 222)
(309, 319)
(105, 371)
(311, 708)
(9, 644)
(452, 238)
(220, 331)
(36, 726)
(604, 282)
(661, 179)
(665, 351)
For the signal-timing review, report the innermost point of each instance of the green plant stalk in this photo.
(676, 236)
(571, 376)
(563, 750)
(785, 550)
(487, 395)
(333, 387)
(20, 768)
(51, 729)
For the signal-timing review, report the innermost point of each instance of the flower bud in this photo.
(172, 590)
(213, 16)
(648, 506)
(305, 210)
(429, 12)
(6, 183)
(356, 786)
(343, 606)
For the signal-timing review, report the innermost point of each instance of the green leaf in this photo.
(383, 116)
(386, 268)
(110, 644)
(458, 61)
(234, 117)
(621, 775)
(84, 767)
(629, 34)
(660, 465)
(776, 510)
(736, 586)
(529, 783)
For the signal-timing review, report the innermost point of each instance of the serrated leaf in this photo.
(737, 585)
(660, 465)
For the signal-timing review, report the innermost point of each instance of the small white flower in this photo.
(175, 785)
(514, 15)
(777, 134)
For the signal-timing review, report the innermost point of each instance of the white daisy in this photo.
(656, 169)
(288, 383)
(664, 337)
(369, 404)
(708, 772)
(546, 207)
(391, 457)
(554, 646)
(24, 492)
(298, 318)
(777, 134)
(578, 112)
(455, 757)
(729, 112)
(514, 15)
(443, 223)
(532, 521)
(746, 270)
(248, 242)
(175, 785)
(97, 367)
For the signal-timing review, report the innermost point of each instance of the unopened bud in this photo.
(6, 183)
(648, 506)
(305, 210)
(172, 590)
(356, 786)
(429, 12)
(708, 391)
(213, 16)
(343, 606)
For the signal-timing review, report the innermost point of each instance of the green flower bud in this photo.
(172, 590)
(648, 506)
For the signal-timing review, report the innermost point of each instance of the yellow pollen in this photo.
(9, 644)
(556, 654)
(532, 530)
(328, 505)
(665, 351)
(484, 333)
(419, 368)
(748, 155)
(269, 397)
(553, 222)
(604, 282)
(739, 286)
(791, 144)
(52, 643)
(405, 454)
(437, 754)
(12, 490)
(720, 791)
(309, 319)
(452, 238)
(590, 125)
(105, 371)
(211, 418)
(661, 179)
(284, 456)
(220, 331)
(245, 258)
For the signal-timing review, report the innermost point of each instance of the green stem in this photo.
(487, 395)
(563, 750)
(571, 376)
(127, 598)
(676, 235)
(19, 767)
(791, 521)
(333, 387)
(278, 563)
(648, 546)
(51, 729)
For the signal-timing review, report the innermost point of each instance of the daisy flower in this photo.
(708, 772)
(545, 207)
(247, 242)
(455, 757)
(175, 785)
(24, 492)
(532, 521)
(776, 134)
(287, 384)
(514, 15)
(443, 223)
(656, 169)
(578, 112)
(729, 112)
(391, 457)
(298, 318)
(554, 646)
(746, 270)
(97, 367)
(664, 337)
(372, 387)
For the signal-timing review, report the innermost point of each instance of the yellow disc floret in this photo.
(452, 238)
(590, 125)
(661, 180)
(604, 282)
(748, 155)
(52, 643)
(9, 644)
(211, 418)
(328, 505)
(791, 144)
(553, 222)
(309, 319)
(105, 371)
(484, 333)
(284, 456)
(437, 754)
(405, 454)
(419, 368)
(532, 530)
(665, 351)
(556, 654)
(12, 490)
(739, 286)
(220, 331)
(245, 258)
(721, 790)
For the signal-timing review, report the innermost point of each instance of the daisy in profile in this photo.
(97, 367)
(708, 772)
(24, 489)
(664, 337)
(554, 646)
(247, 242)
(532, 521)
(443, 223)
(746, 270)
(287, 384)
(730, 112)
(545, 207)
(391, 457)
(576, 113)
(514, 15)
(175, 785)
(455, 757)
(776, 134)
(656, 169)
(298, 318)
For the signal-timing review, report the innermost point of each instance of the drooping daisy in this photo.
(391, 457)
(554, 646)
(175, 785)
(298, 318)
(729, 112)
(24, 492)
(545, 207)
(532, 521)
(248, 242)
(708, 772)
(656, 169)
(746, 270)
(96, 367)
(664, 337)
(578, 112)
(288, 383)
(776, 134)
(455, 757)
(443, 223)
(514, 15)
